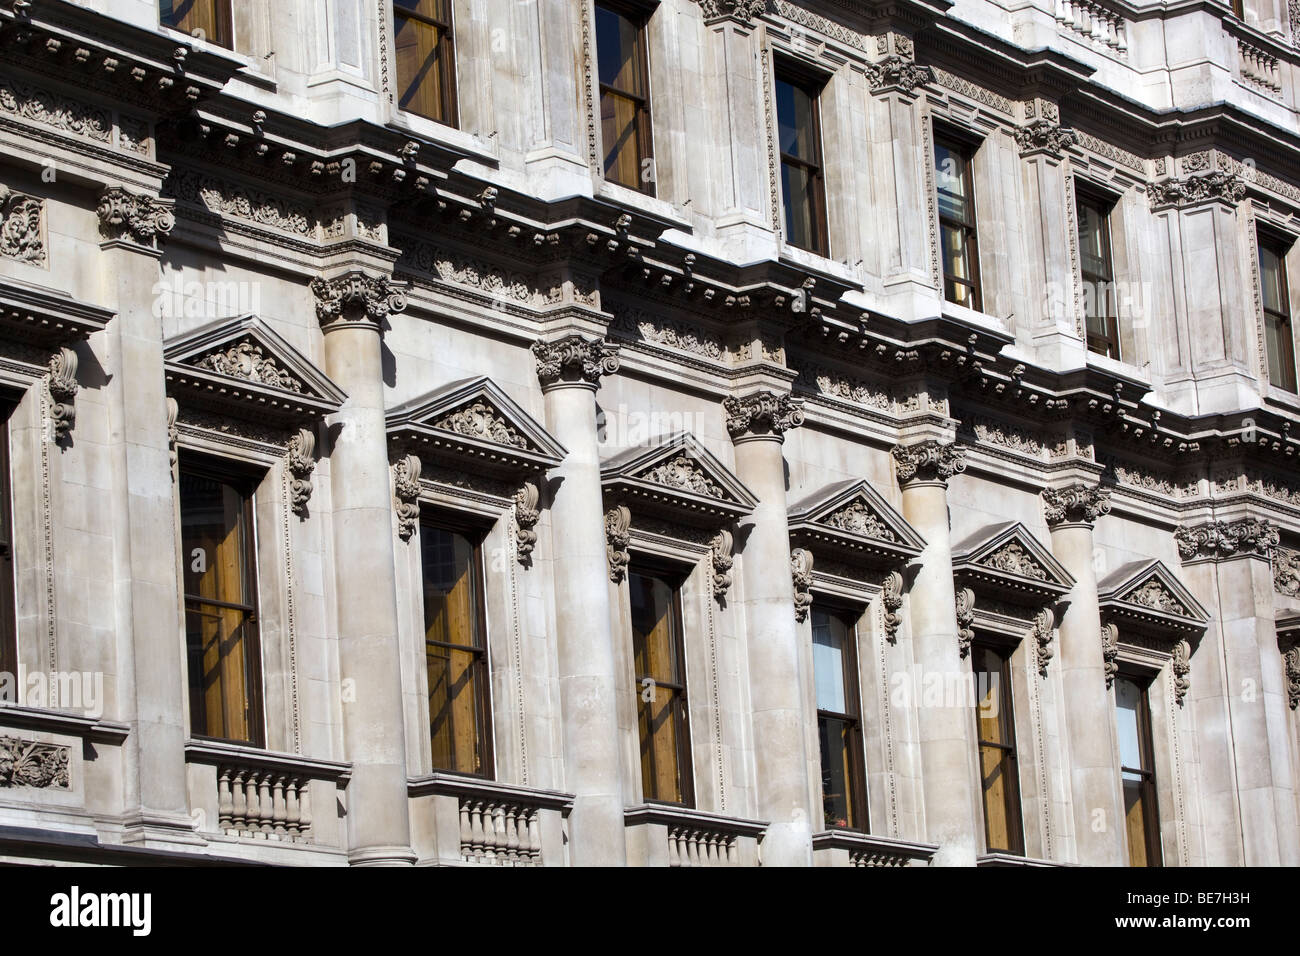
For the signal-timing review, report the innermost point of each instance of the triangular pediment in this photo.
(1008, 553)
(854, 519)
(1150, 591)
(678, 474)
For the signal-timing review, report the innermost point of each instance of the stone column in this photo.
(1253, 688)
(569, 370)
(757, 423)
(952, 815)
(351, 308)
(147, 611)
(1071, 512)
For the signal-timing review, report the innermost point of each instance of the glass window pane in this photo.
(454, 709)
(1128, 701)
(1094, 240)
(621, 138)
(796, 129)
(1271, 280)
(799, 197)
(829, 638)
(657, 719)
(653, 641)
(1281, 352)
(420, 69)
(837, 742)
(206, 19)
(660, 709)
(950, 181)
(999, 789)
(1135, 820)
(619, 52)
(450, 606)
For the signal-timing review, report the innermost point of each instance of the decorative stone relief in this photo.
(891, 600)
(618, 536)
(246, 360)
(301, 461)
(22, 236)
(57, 112)
(173, 430)
(1286, 572)
(356, 297)
(928, 461)
(762, 414)
(225, 198)
(28, 763)
(1155, 595)
(1226, 539)
(481, 420)
(62, 385)
(801, 565)
(965, 620)
(1291, 662)
(669, 333)
(406, 494)
(1182, 669)
(742, 11)
(898, 73)
(1044, 136)
(1110, 652)
(720, 549)
(574, 360)
(141, 219)
(1217, 185)
(837, 385)
(1075, 504)
(1013, 558)
(1044, 625)
(858, 518)
(684, 473)
(526, 518)
(821, 25)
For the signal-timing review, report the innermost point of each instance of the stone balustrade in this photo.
(848, 848)
(659, 835)
(466, 821)
(1258, 69)
(1094, 23)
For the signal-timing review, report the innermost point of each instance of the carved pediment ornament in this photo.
(858, 518)
(928, 461)
(618, 539)
(356, 298)
(574, 360)
(248, 360)
(138, 218)
(1216, 540)
(1075, 504)
(1153, 594)
(762, 415)
(527, 515)
(1013, 558)
(684, 473)
(480, 420)
(801, 565)
(406, 495)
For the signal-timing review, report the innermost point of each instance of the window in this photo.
(206, 19)
(426, 60)
(624, 96)
(997, 749)
(8, 624)
(1278, 342)
(1139, 779)
(455, 652)
(799, 140)
(1098, 277)
(839, 726)
(221, 639)
(661, 689)
(961, 281)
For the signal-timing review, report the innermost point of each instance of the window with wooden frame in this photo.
(455, 650)
(957, 242)
(1100, 307)
(996, 733)
(622, 63)
(220, 582)
(658, 660)
(8, 619)
(799, 142)
(1279, 343)
(839, 720)
(1137, 774)
(209, 20)
(425, 51)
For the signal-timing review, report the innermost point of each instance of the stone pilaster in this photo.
(945, 727)
(351, 307)
(1071, 512)
(757, 423)
(569, 370)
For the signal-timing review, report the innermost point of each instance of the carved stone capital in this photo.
(301, 460)
(21, 234)
(574, 361)
(1075, 504)
(720, 551)
(526, 518)
(1216, 186)
(742, 11)
(1216, 540)
(356, 299)
(136, 218)
(762, 415)
(618, 536)
(928, 461)
(1044, 136)
(898, 73)
(965, 602)
(801, 565)
(62, 385)
(1110, 652)
(406, 495)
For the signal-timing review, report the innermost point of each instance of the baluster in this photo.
(225, 802)
(278, 814)
(266, 806)
(292, 811)
(304, 804)
(1121, 36)
(674, 852)
(253, 804)
(466, 835)
(512, 834)
(535, 836)
(478, 838)
(497, 822)
(693, 848)
(239, 803)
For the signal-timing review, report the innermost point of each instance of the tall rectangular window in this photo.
(455, 652)
(8, 622)
(621, 61)
(996, 730)
(426, 59)
(953, 183)
(1136, 771)
(1098, 277)
(839, 724)
(1279, 344)
(221, 633)
(799, 141)
(657, 655)
(206, 19)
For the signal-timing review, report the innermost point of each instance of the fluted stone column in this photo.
(757, 423)
(351, 308)
(952, 816)
(1071, 512)
(569, 370)
(147, 600)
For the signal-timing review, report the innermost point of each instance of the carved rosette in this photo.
(762, 415)
(742, 11)
(137, 218)
(1110, 652)
(720, 551)
(1216, 186)
(1044, 625)
(1291, 662)
(891, 599)
(965, 601)
(1044, 136)
(526, 518)
(574, 361)
(356, 298)
(1217, 540)
(898, 73)
(801, 565)
(29, 763)
(301, 459)
(21, 235)
(1182, 667)
(928, 462)
(406, 495)
(1075, 504)
(618, 537)
(62, 385)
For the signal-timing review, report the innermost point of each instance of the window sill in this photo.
(1117, 367)
(449, 136)
(1282, 400)
(59, 722)
(974, 317)
(1010, 859)
(627, 196)
(874, 850)
(815, 260)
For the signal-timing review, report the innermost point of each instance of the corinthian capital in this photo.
(138, 218)
(574, 360)
(356, 298)
(929, 461)
(1075, 504)
(1044, 136)
(898, 73)
(762, 415)
(741, 10)
(1215, 540)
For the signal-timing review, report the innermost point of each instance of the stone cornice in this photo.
(574, 360)
(761, 415)
(1219, 540)
(928, 462)
(1075, 504)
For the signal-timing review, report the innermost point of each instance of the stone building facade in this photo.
(703, 432)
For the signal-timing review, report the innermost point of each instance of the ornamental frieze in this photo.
(49, 109)
(631, 322)
(1213, 186)
(22, 233)
(224, 198)
(29, 763)
(1227, 539)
